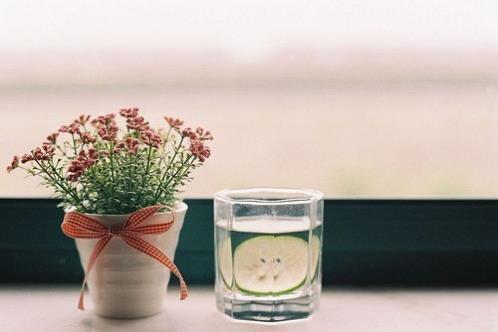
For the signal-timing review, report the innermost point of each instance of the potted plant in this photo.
(119, 189)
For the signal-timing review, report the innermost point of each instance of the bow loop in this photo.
(77, 225)
(152, 229)
(137, 217)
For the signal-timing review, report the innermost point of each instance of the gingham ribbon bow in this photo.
(80, 226)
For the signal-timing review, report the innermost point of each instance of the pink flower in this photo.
(174, 123)
(82, 119)
(107, 128)
(13, 165)
(38, 154)
(26, 158)
(93, 154)
(204, 135)
(199, 150)
(104, 119)
(149, 137)
(44, 153)
(137, 123)
(87, 138)
(133, 121)
(73, 128)
(129, 112)
(132, 145)
(78, 166)
(108, 133)
(49, 150)
(189, 133)
(52, 138)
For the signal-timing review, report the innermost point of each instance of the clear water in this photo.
(274, 304)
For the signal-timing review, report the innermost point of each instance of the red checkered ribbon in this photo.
(80, 226)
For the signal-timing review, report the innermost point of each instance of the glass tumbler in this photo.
(268, 244)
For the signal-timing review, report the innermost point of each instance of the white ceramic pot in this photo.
(126, 283)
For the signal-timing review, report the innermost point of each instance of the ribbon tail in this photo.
(81, 301)
(91, 262)
(158, 255)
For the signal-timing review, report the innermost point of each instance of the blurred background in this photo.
(385, 98)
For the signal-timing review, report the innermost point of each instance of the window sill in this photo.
(54, 309)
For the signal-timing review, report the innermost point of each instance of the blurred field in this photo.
(357, 99)
(426, 139)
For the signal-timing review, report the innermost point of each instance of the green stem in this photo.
(60, 184)
(60, 149)
(74, 146)
(163, 177)
(111, 160)
(61, 178)
(185, 165)
(186, 169)
(129, 180)
(146, 173)
(167, 138)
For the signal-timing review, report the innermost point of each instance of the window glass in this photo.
(356, 99)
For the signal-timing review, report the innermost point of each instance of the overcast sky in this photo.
(246, 29)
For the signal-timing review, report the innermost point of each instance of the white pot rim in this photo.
(180, 207)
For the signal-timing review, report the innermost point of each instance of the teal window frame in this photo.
(366, 242)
